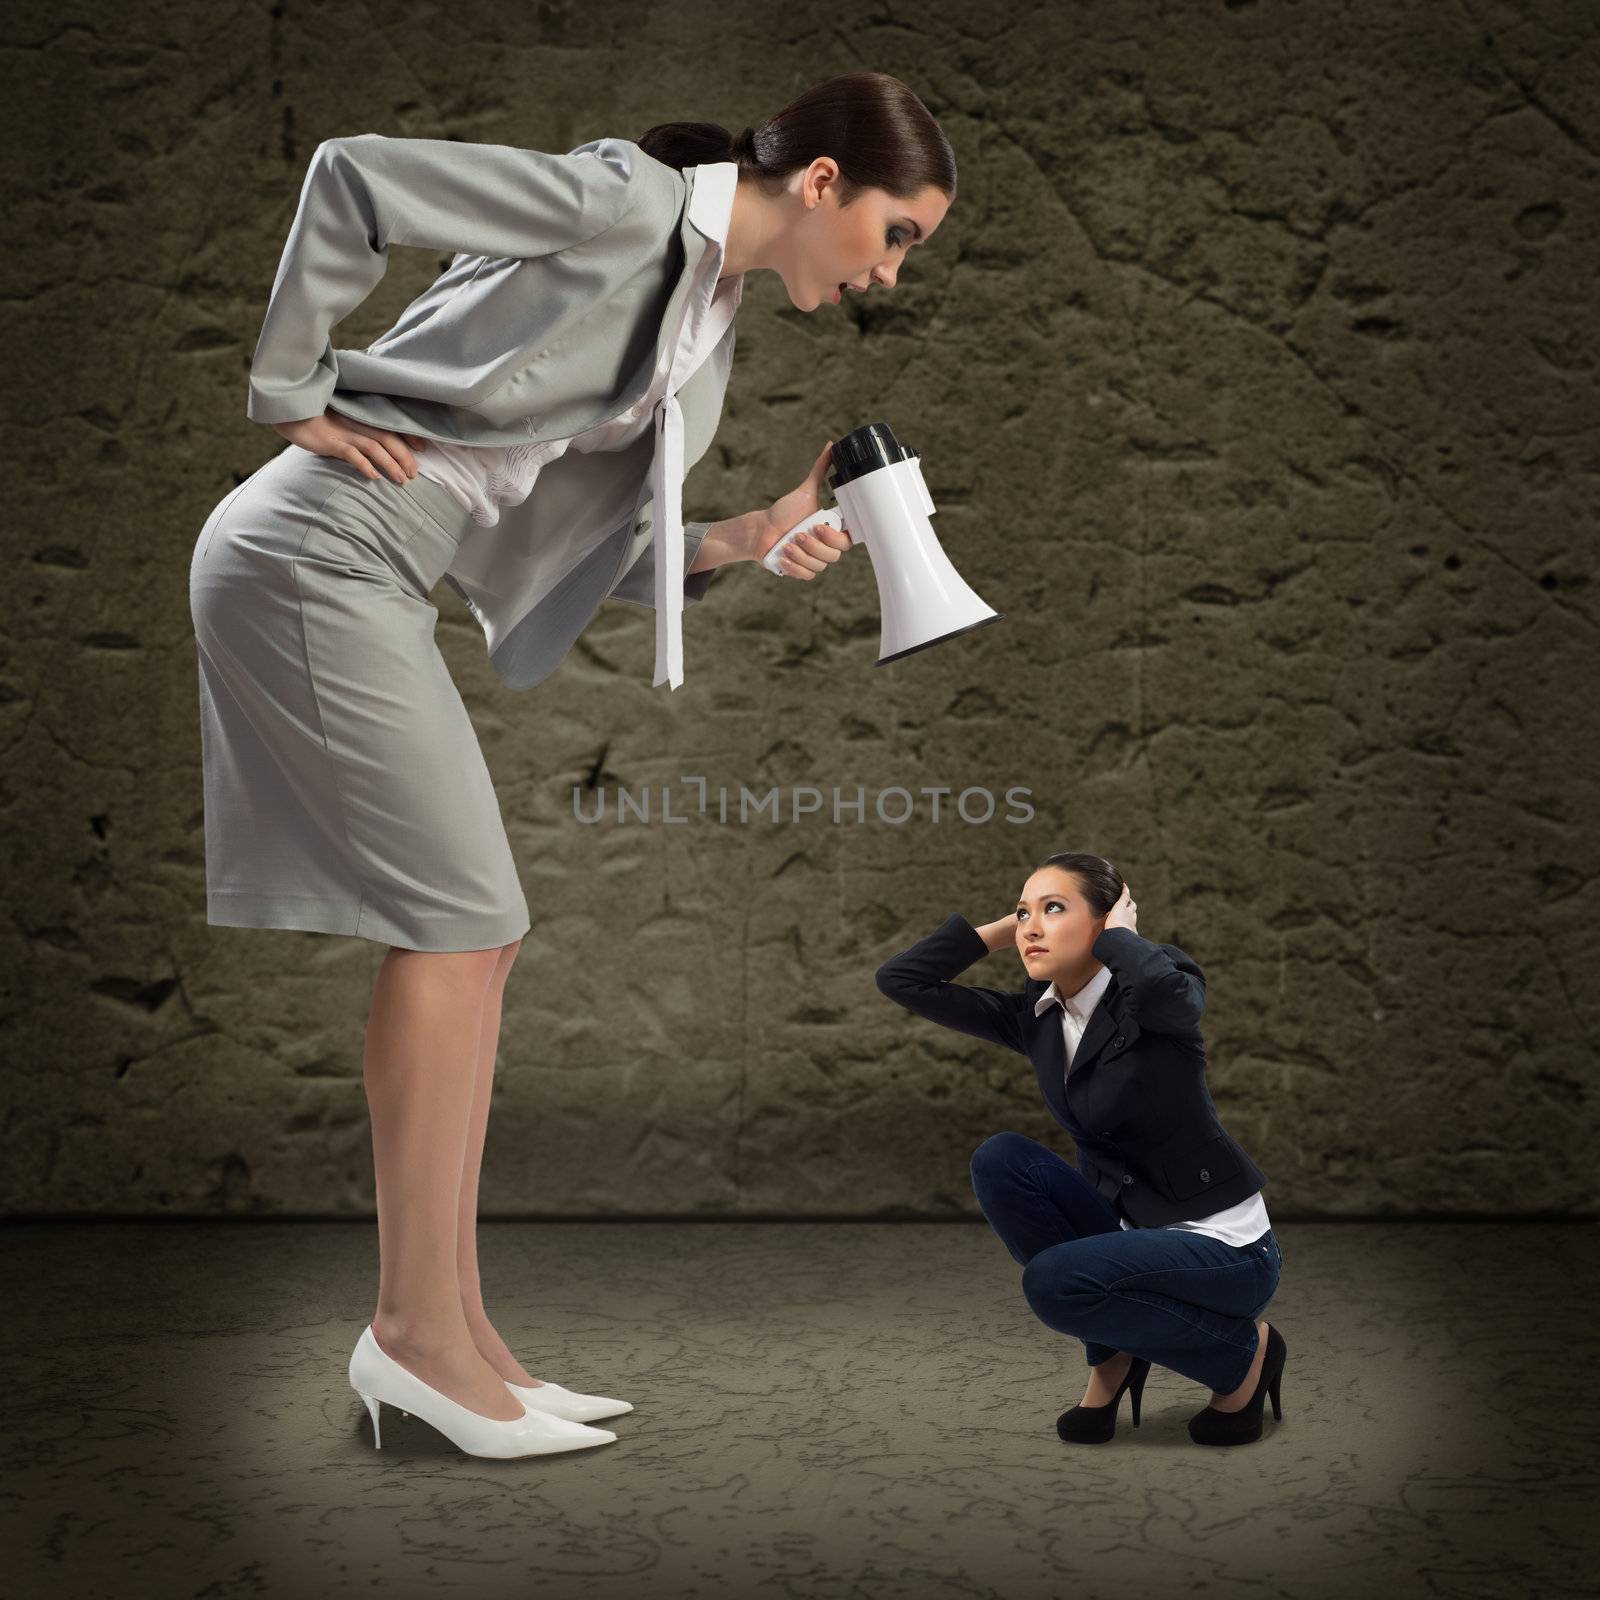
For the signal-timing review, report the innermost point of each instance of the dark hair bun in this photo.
(873, 125)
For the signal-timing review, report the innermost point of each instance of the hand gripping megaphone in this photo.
(877, 484)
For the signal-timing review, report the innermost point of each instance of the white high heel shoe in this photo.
(555, 1401)
(377, 1376)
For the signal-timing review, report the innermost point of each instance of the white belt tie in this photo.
(666, 485)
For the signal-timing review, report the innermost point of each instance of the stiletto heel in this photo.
(1244, 1425)
(1096, 1424)
(376, 1376)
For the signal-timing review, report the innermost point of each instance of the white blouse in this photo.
(485, 477)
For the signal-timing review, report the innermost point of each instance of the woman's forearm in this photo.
(734, 539)
(999, 935)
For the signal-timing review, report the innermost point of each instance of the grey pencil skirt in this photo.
(345, 791)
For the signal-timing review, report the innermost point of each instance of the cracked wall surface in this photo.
(1253, 372)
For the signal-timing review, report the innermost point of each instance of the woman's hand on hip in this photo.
(1124, 914)
(345, 439)
(818, 548)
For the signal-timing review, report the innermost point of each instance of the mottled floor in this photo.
(830, 1410)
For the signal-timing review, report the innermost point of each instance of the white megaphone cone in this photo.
(878, 484)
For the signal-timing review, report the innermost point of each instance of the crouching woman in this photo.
(1155, 1248)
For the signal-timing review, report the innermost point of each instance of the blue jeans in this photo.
(1178, 1299)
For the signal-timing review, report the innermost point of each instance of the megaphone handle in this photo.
(775, 554)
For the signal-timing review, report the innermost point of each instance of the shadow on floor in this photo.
(836, 1410)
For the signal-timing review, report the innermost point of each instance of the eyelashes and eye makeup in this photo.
(896, 237)
(1022, 911)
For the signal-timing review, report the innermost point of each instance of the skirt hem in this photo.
(228, 908)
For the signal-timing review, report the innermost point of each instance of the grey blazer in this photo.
(569, 274)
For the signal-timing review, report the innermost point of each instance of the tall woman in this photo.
(521, 432)
(1156, 1247)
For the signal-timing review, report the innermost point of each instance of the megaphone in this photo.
(877, 483)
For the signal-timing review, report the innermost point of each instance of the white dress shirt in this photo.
(1239, 1224)
(483, 478)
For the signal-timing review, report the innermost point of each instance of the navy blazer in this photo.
(1135, 1102)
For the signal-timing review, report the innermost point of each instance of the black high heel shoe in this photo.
(1244, 1425)
(1096, 1424)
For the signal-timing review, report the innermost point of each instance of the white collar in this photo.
(711, 200)
(1084, 1001)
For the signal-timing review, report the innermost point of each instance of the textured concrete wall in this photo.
(1254, 375)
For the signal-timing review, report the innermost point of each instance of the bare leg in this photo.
(1103, 1380)
(419, 1066)
(1236, 1401)
(490, 1345)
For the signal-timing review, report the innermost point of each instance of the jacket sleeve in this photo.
(919, 979)
(1166, 991)
(638, 583)
(364, 193)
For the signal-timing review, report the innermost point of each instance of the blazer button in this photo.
(1205, 1177)
(1127, 1177)
(1118, 1044)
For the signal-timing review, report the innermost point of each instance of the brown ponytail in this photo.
(873, 125)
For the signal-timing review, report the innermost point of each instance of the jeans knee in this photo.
(1041, 1280)
(997, 1152)
(1054, 1278)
